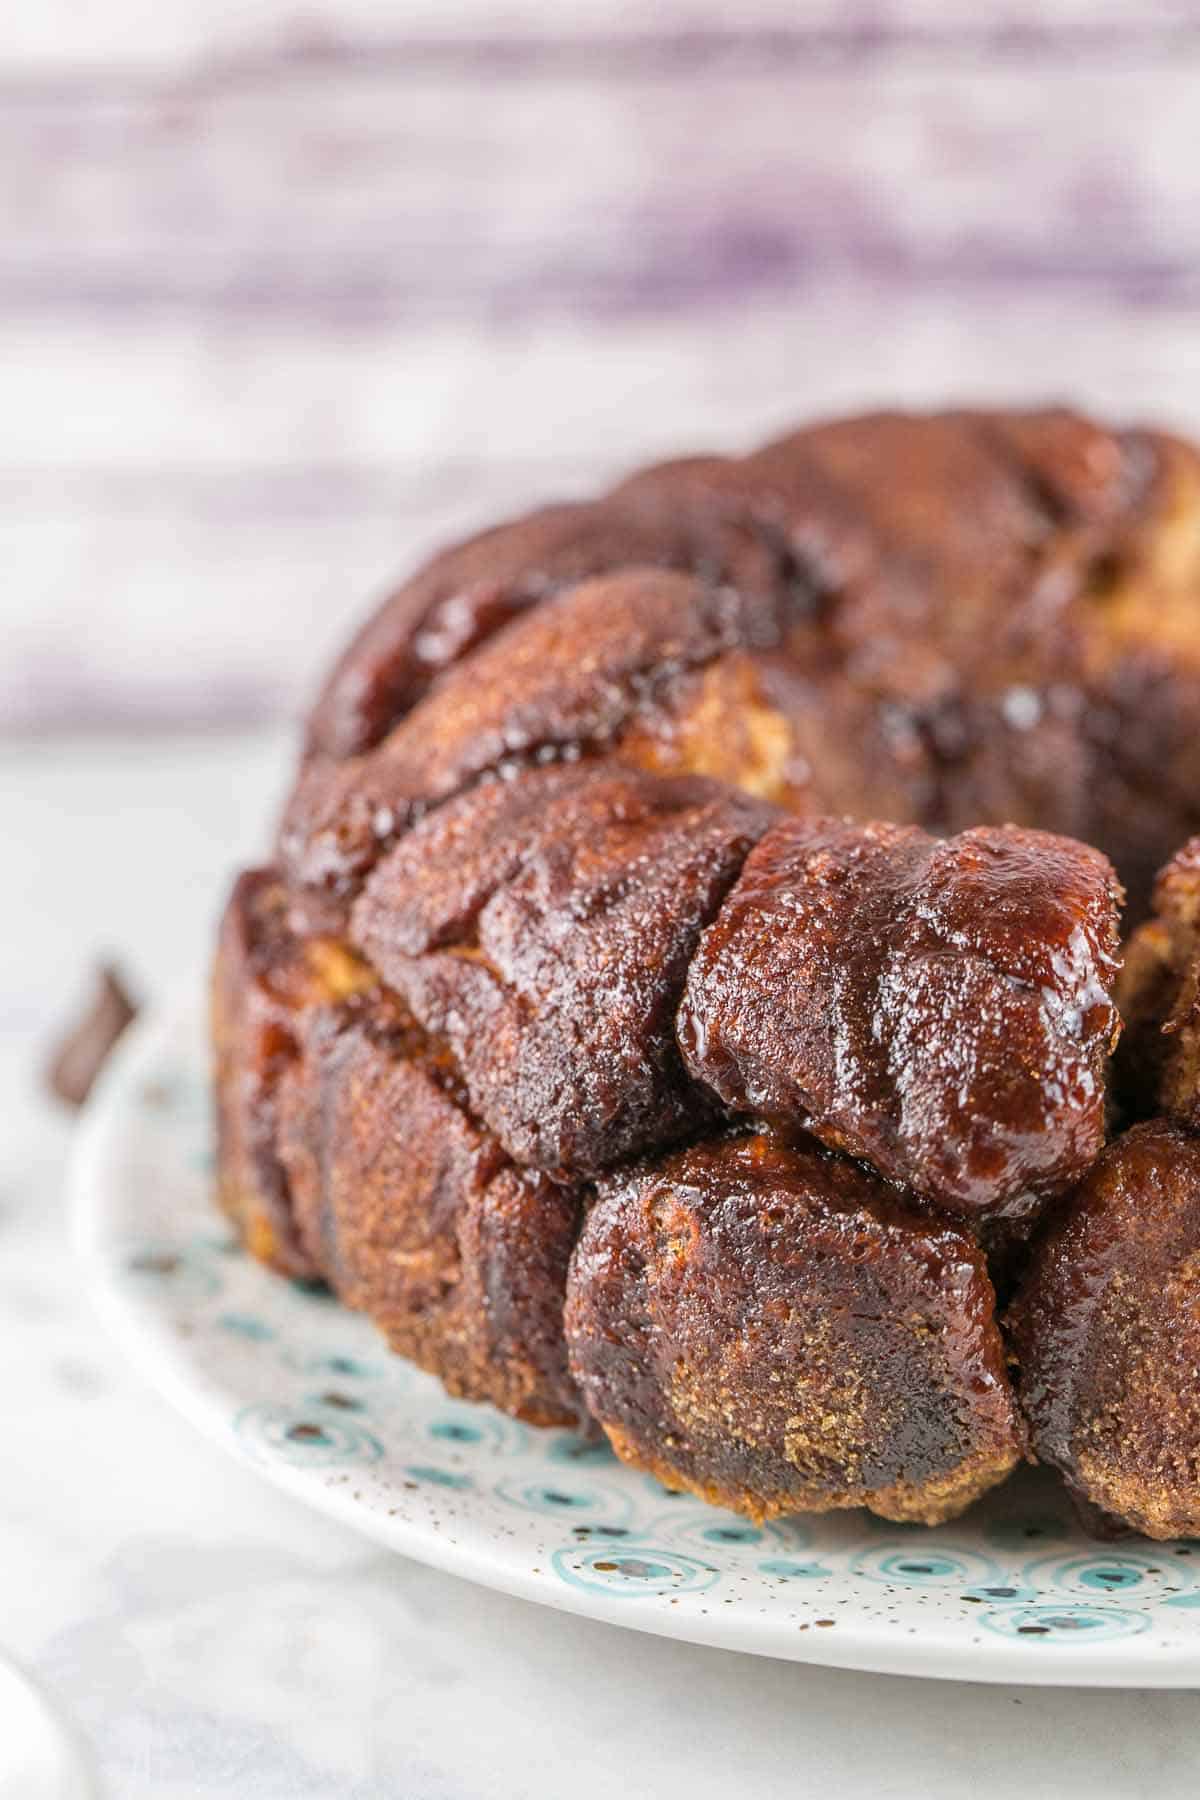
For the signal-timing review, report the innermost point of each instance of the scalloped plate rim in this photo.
(172, 1366)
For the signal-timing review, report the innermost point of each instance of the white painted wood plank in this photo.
(260, 493)
(287, 296)
(364, 196)
(155, 398)
(132, 33)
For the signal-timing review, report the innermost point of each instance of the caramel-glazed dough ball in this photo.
(567, 906)
(939, 1008)
(468, 593)
(543, 926)
(562, 680)
(948, 620)
(414, 1215)
(774, 1329)
(1106, 1333)
(1158, 1068)
(264, 980)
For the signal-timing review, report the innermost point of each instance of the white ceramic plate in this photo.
(289, 1381)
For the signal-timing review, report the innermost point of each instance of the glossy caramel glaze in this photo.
(940, 1009)
(1158, 1069)
(538, 776)
(467, 594)
(543, 926)
(1106, 1335)
(948, 620)
(561, 682)
(346, 1153)
(774, 1329)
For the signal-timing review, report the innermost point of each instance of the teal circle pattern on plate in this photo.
(1051, 1624)
(1122, 1573)
(477, 1430)
(784, 1569)
(732, 1534)
(917, 1564)
(629, 1573)
(306, 1437)
(1002, 1593)
(707, 1532)
(335, 1365)
(430, 1475)
(582, 1501)
(247, 1325)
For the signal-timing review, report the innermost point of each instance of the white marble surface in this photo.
(206, 1635)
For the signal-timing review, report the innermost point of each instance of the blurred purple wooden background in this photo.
(290, 292)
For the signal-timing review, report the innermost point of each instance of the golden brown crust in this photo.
(940, 1009)
(561, 681)
(414, 1215)
(1106, 1334)
(1159, 996)
(543, 926)
(528, 786)
(947, 620)
(774, 1329)
(264, 979)
(464, 596)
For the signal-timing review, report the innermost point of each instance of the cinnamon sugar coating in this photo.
(775, 1329)
(537, 929)
(414, 1215)
(1106, 1333)
(265, 978)
(543, 926)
